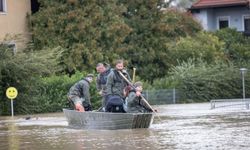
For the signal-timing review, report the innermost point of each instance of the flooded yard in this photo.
(182, 127)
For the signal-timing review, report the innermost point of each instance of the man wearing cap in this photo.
(133, 103)
(79, 94)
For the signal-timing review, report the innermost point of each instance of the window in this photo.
(246, 23)
(223, 22)
(2, 6)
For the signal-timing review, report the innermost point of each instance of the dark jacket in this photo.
(101, 81)
(116, 84)
(81, 90)
(135, 104)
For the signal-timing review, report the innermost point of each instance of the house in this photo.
(217, 14)
(14, 21)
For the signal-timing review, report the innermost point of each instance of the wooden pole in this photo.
(134, 69)
(144, 100)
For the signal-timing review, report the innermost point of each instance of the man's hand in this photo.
(100, 92)
(79, 107)
(138, 93)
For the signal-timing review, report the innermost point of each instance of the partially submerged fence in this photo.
(239, 103)
(162, 96)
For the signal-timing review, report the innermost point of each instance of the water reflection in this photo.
(182, 127)
(13, 137)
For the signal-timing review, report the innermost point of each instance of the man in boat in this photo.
(79, 94)
(115, 87)
(101, 80)
(134, 102)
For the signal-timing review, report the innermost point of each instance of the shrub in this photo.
(203, 45)
(236, 44)
(52, 93)
(200, 82)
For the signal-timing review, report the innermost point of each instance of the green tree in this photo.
(88, 30)
(152, 29)
(23, 71)
(92, 31)
(203, 46)
(197, 81)
(236, 44)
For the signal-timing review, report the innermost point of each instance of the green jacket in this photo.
(81, 90)
(116, 84)
(135, 104)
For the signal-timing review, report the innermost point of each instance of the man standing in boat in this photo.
(101, 80)
(79, 94)
(116, 85)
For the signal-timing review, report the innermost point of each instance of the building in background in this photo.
(217, 14)
(14, 21)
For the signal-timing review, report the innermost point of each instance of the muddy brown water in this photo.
(182, 127)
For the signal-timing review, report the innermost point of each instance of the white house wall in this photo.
(211, 20)
(202, 18)
(235, 14)
(209, 17)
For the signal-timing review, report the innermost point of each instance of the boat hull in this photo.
(108, 121)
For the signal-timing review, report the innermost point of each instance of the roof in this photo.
(219, 3)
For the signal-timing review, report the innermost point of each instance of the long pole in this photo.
(12, 108)
(144, 100)
(243, 71)
(243, 86)
(133, 80)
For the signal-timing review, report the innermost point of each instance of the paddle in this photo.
(143, 99)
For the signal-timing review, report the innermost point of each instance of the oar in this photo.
(142, 98)
(133, 80)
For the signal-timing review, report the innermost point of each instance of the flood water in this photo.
(182, 127)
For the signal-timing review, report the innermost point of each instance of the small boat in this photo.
(107, 121)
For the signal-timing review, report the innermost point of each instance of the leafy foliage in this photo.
(93, 31)
(204, 46)
(90, 31)
(51, 94)
(22, 71)
(236, 44)
(199, 82)
(152, 28)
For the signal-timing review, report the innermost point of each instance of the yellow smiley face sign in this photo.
(11, 92)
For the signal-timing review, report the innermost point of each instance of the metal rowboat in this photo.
(108, 121)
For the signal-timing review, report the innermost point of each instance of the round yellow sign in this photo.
(11, 92)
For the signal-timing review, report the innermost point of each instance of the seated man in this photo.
(134, 102)
(79, 94)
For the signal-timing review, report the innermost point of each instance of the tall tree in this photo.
(152, 29)
(88, 30)
(96, 30)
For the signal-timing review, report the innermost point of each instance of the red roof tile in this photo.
(219, 3)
